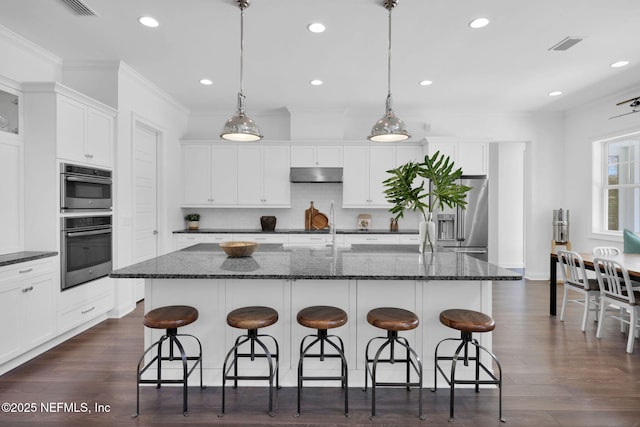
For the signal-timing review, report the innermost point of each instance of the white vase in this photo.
(426, 235)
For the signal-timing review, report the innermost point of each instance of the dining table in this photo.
(629, 261)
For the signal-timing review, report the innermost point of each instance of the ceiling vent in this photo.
(79, 8)
(566, 43)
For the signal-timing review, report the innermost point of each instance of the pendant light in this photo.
(389, 128)
(241, 127)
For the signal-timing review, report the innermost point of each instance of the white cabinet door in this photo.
(470, 156)
(99, 138)
(316, 155)
(10, 297)
(38, 313)
(209, 174)
(11, 188)
(71, 129)
(224, 181)
(276, 165)
(355, 186)
(84, 134)
(263, 176)
(250, 176)
(381, 159)
(408, 153)
(365, 168)
(196, 170)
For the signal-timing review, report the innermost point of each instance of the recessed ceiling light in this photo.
(316, 82)
(479, 23)
(619, 64)
(206, 82)
(425, 83)
(316, 27)
(148, 21)
(555, 93)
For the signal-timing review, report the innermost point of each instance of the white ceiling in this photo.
(505, 66)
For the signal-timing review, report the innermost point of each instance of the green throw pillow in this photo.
(631, 242)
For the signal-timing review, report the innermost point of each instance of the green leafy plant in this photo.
(405, 189)
(192, 217)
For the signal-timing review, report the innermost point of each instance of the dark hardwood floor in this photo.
(554, 376)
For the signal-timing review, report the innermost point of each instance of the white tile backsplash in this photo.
(293, 218)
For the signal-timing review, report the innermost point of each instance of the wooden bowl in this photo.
(238, 249)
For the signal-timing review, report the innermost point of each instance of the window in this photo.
(620, 183)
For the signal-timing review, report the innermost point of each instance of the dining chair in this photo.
(613, 279)
(574, 277)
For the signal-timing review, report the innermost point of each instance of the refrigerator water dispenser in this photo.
(446, 227)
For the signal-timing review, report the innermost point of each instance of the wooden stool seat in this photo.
(322, 317)
(467, 320)
(254, 317)
(393, 319)
(170, 317)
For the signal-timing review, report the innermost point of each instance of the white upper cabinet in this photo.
(209, 174)
(11, 189)
(316, 155)
(84, 133)
(263, 176)
(472, 157)
(10, 109)
(81, 129)
(365, 168)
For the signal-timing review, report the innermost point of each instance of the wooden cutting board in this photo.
(309, 214)
(314, 219)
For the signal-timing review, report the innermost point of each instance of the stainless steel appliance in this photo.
(466, 230)
(84, 188)
(86, 252)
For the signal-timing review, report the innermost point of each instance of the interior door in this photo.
(145, 179)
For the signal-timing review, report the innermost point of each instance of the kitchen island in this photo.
(356, 279)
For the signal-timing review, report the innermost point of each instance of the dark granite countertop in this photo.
(359, 262)
(18, 257)
(294, 231)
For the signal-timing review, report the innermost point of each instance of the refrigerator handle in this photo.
(460, 225)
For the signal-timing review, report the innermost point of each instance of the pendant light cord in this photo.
(389, 59)
(241, 47)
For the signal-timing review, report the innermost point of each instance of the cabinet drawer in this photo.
(408, 239)
(309, 239)
(79, 295)
(262, 238)
(27, 269)
(84, 313)
(372, 239)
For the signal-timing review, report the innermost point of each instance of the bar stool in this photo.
(393, 320)
(170, 318)
(251, 318)
(322, 318)
(467, 322)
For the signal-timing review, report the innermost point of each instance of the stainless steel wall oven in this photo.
(86, 249)
(83, 188)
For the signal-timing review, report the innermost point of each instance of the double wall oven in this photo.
(85, 224)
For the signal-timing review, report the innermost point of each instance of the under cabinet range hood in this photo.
(315, 174)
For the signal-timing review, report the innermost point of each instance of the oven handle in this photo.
(88, 233)
(88, 179)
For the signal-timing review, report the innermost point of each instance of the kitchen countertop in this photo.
(18, 257)
(359, 262)
(294, 231)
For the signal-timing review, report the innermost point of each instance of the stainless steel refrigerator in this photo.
(466, 230)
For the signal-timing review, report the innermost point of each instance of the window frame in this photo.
(601, 186)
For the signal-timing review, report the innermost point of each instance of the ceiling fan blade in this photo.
(628, 100)
(625, 114)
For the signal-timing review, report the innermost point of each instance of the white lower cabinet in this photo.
(184, 240)
(84, 303)
(27, 295)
